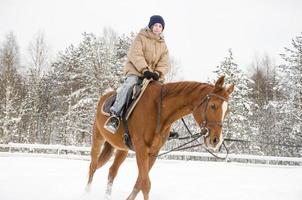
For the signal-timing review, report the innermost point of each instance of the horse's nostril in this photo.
(215, 141)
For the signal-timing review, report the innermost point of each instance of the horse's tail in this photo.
(106, 153)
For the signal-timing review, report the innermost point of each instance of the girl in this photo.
(147, 58)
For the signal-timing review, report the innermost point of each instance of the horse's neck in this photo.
(183, 99)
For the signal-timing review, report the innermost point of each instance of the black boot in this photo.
(112, 124)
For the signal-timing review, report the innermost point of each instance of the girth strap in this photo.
(127, 138)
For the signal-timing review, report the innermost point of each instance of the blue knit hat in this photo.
(156, 19)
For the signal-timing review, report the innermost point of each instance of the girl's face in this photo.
(157, 28)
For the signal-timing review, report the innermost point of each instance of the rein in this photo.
(263, 143)
(193, 138)
(159, 109)
(204, 133)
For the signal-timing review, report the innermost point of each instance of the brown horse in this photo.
(150, 127)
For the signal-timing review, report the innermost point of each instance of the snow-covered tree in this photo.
(290, 83)
(237, 124)
(64, 75)
(34, 104)
(12, 90)
(174, 73)
(80, 75)
(265, 97)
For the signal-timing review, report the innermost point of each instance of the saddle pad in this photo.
(107, 105)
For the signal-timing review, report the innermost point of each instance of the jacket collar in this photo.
(149, 34)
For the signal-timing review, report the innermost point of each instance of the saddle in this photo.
(133, 97)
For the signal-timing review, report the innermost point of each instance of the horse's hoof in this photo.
(88, 188)
(107, 197)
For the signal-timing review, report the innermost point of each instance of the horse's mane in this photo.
(183, 87)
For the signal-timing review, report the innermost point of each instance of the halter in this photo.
(205, 132)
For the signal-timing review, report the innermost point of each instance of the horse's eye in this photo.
(213, 106)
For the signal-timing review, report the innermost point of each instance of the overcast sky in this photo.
(198, 33)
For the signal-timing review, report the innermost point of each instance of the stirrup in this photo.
(112, 124)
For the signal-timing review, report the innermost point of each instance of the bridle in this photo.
(205, 132)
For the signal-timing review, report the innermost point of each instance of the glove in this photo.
(155, 76)
(148, 75)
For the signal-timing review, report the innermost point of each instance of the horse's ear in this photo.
(219, 82)
(230, 89)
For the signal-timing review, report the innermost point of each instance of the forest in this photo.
(53, 101)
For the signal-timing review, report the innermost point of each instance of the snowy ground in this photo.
(37, 178)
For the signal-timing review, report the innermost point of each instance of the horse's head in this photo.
(211, 112)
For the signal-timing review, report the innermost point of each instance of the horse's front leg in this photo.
(135, 191)
(120, 157)
(143, 181)
(152, 159)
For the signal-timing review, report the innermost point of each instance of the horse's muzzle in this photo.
(212, 142)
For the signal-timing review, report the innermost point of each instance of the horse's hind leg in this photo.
(105, 155)
(120, 157)
(97, 142)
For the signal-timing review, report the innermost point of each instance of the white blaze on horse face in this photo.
(224, 109)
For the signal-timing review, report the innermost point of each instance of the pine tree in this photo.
(290, 83)
(237, 124)
(80, 75)
(63, 74)
(265, 96)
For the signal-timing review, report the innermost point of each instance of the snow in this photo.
(35, 178)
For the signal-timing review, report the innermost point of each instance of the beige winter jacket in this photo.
(147, 52)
